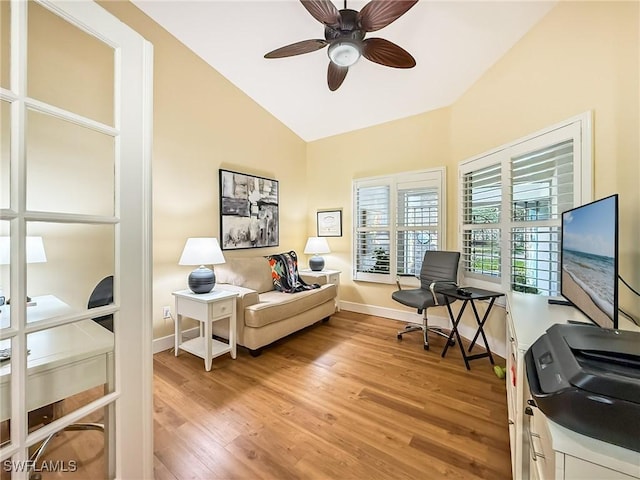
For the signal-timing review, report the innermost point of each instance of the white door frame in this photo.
(131, 441)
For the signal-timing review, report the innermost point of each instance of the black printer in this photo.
(587, 379)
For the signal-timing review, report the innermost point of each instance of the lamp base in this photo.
(316, 263)
(202, 280)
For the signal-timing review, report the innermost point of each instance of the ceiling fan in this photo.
(344, 32)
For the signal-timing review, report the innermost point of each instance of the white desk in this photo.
(62, 362)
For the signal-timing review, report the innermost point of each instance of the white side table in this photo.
(330, 276)
(206, 308)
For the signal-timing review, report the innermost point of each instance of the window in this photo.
(397, 219)
(512, 200)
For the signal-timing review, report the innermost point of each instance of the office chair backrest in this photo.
(439, 266)
(103, 295)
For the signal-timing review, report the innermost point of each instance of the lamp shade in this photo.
(317, 245)
(201, 251)
(35, 250)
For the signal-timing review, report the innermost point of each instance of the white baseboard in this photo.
(168, 342)
(497, 346)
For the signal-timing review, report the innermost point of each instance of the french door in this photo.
(75, 246)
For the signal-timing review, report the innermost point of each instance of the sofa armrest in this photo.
(246, 296)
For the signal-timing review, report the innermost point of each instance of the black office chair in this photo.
(102, 295)
(439, 268)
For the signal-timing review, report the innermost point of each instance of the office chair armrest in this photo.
(433, 286)
(433, 293)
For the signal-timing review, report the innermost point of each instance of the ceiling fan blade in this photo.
(297, 48)
(335, 76)
(324, 11)
(378, 14)
(386, 53)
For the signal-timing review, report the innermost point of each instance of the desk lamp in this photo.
(316, 246)
(35, 252)
(202, 251)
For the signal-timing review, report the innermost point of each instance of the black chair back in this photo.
(439, 266)
(103, 295)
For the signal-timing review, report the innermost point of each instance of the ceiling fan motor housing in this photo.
(348, 29)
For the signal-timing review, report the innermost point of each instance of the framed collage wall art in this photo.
(248, 211)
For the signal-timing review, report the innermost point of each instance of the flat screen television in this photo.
(589, 260)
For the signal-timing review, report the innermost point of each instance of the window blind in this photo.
(372, 231)
(511, 202)
(398, 218)
(482, 212)
(541, 189)
(417, 221)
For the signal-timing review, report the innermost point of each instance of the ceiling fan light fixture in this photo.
(344, 53)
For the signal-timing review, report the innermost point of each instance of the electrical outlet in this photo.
(166, 312)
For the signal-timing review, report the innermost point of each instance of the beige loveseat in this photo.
(264, 314)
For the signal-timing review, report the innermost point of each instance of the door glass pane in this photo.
(5, 43)
(69, 68)
(77, 452)
(5, 387)
(5, 151)
(70, 168)
(5, 345)
(5, 258)
(76, 259)
(68, 366)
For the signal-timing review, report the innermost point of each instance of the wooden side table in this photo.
(206, 308)
(330, 276)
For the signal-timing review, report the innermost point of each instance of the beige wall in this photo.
(203, 123)
(582, 56)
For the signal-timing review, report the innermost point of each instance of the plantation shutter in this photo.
(481, 230)
(541, 189)
(512, 200)
(417, 222)
(373, 233)
(397, 218)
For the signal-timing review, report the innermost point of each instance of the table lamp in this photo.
(35, 252)
(316, 246)
(201, 251)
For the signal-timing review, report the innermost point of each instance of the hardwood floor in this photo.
(340, 400)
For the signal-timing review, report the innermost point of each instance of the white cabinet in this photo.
(558, 453)
(541, 449)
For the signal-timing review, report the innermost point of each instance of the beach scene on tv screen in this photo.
(588, 264)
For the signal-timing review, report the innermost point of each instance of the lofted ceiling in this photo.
(454, 42)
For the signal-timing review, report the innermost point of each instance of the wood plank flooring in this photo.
(340, 400)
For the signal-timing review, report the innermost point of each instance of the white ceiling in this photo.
(453, 42)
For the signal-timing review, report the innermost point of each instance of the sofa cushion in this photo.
(275, 306)
(249, 272)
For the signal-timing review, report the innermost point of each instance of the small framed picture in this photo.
(330, 223)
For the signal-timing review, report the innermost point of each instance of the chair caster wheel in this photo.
(399, 337)
(426, 347)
